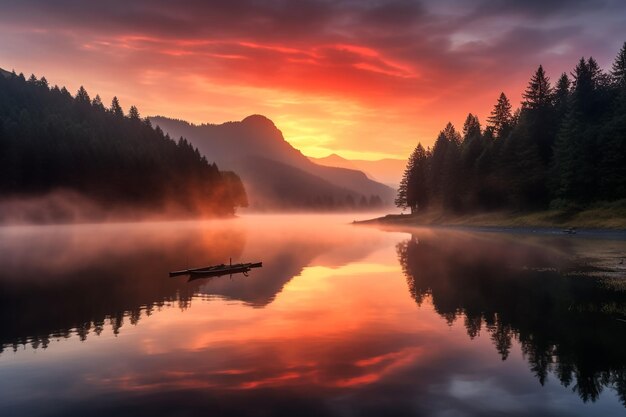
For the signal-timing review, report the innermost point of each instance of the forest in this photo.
(53, 142)
(564, 148)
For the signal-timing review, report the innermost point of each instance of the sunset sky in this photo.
(362, 78)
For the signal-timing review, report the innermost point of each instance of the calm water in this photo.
(341, 320)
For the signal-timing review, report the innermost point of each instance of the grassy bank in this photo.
(598, 216)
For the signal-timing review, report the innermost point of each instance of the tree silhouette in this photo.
(82, 97)
(116, 109)
(501, 118)
(413, 191)
(51, 141)
(564, 147)
(619, 68)
(133, 113)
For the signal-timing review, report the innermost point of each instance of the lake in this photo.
(341, 320)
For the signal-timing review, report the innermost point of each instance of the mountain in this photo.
(276, 175)
(388, 171)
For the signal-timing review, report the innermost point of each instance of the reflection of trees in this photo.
(565, 323)
(112, 280)
(60, 282)
(95, 325)
(85, 303)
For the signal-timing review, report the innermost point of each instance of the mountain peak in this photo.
(258, 120)
(335, 157)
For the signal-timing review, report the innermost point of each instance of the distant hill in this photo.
(76, 150)
(388, 171)
(276, 174)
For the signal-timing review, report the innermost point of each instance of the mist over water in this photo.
(341, 320)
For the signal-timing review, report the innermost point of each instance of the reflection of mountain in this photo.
(64, 280)
(262, 285)
(567, 324)
(285, 252)
(388, 171)
(276, 174)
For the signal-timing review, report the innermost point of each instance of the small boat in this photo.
(218, 270)
(570, 231)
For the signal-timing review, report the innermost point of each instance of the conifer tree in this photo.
(413, 190)
(501, 118)
(471, 127)
(437, 165)
(618, 71)
(537, 117)
(97, 102)
(562, 96)
(417, 185)
(116, 109)
(133, 113)
(471, 149)
(451, 178)
(538, 94)
(82, 97)
(612, 170)
(401, 197)
(575, 156)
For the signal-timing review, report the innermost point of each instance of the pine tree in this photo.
(417, 182)
(133, 113)
(537, 115)
(401, 197)
(82, 97)
(451, 134)
(575, 175)
(471, 149)
(97, 102)
(618, 70)
(612, 169)
(451, 178)
(116, 109)
(562, 96)
(440, 149)
(471, 127)
(501, 118)
(538, 94)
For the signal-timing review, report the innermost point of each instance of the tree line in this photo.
(51, 141)
(564, 148)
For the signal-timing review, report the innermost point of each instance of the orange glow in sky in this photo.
(365, 80)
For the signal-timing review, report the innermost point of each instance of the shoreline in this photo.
(548, 221)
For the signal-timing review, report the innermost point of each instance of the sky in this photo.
(365, 79)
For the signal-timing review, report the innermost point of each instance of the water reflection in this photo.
(326, 327)
(539, 292)
(59, 281)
